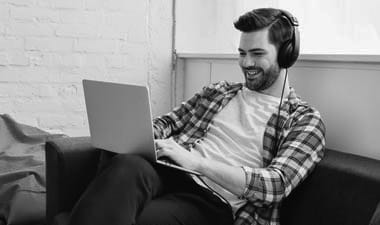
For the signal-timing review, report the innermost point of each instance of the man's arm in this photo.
(230, 177)
(297, 156)
(172, 122)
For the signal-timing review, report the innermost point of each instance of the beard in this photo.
(263, 80)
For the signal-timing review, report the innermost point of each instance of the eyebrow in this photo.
(252, 50)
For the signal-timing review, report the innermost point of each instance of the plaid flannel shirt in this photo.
(300, 146)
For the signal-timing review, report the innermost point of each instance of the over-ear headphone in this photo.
(289, 50)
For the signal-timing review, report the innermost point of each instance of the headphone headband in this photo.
(293, 20)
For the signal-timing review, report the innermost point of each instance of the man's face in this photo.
(258, 60)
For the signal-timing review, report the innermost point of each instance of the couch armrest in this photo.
(71, 164)
(343, 189)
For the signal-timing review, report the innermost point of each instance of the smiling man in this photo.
(258, 60)
(253, 143)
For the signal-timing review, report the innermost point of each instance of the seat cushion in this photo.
(376, 216)
(62, 218)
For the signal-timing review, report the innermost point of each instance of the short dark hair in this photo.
(280, 29)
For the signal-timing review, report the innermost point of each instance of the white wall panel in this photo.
(197, 76)
(346, 94)
(226, 70)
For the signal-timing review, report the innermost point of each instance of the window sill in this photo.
(303, 57)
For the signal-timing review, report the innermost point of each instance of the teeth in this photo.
(252, 73)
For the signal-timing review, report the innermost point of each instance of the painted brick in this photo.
(4, 12)
(7, 90)
(2, 28)
(93, 4)
(11, 43)
(35, 57)
(118, 21)
(135, 76)
(58, 60)
(30, 29)
(26, 74)
(137, 34)
(77, 30)
(54, 120)
(34, 14)
(25, 118)
(69, 90)
(49, 44)
(67, 4)
(116, 61)
(3, 59)
(44, 3)
(35, 105)
(83, 73)
(7, 106)
(93, 60)
(18, 59)
(125, 6)
(116, 5)
(81, 17)
(136, 54)
(26, 90)
(96, 46)
(132, 48)
(111, 32)
(20, 2)
(77, 131)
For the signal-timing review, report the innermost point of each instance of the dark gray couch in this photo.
(344, 189)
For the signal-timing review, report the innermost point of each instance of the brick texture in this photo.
(48, 46)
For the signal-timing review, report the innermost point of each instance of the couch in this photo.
(344, 189)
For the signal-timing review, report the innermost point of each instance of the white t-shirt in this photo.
(236, 135)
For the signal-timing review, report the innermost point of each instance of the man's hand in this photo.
(230, 177)
(170, 148)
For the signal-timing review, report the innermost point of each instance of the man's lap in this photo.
(164, 195)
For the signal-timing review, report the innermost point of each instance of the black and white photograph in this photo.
(189, 112)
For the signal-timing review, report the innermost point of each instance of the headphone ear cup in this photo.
(289, 51)
(286, 55)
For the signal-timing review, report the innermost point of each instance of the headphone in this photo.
(289, 50)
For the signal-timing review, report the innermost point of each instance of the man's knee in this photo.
(128, 166)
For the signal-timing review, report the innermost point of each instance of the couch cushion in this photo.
(343, 189)
(62, 218)
(376, 216)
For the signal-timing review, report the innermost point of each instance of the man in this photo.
(253, 143)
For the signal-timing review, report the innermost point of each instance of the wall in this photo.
(345, 92)
(48, 46)
(353, 27)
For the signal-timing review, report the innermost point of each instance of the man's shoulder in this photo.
(224, 86)
(306, 114)
(300, 107)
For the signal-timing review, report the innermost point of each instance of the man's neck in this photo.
(276, 88)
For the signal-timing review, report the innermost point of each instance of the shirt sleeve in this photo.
(174, 121)
(301, 149)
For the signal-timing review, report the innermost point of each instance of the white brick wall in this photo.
(48, 46)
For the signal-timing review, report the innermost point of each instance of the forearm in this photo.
(162, 127)
(232, 178)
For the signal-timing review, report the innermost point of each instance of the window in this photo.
(326, 26)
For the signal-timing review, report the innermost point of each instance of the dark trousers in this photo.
(130, 190)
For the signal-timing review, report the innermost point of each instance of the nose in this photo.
(248, 61)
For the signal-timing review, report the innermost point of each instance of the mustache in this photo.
(251, 68)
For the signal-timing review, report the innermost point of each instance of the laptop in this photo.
(120, 120)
